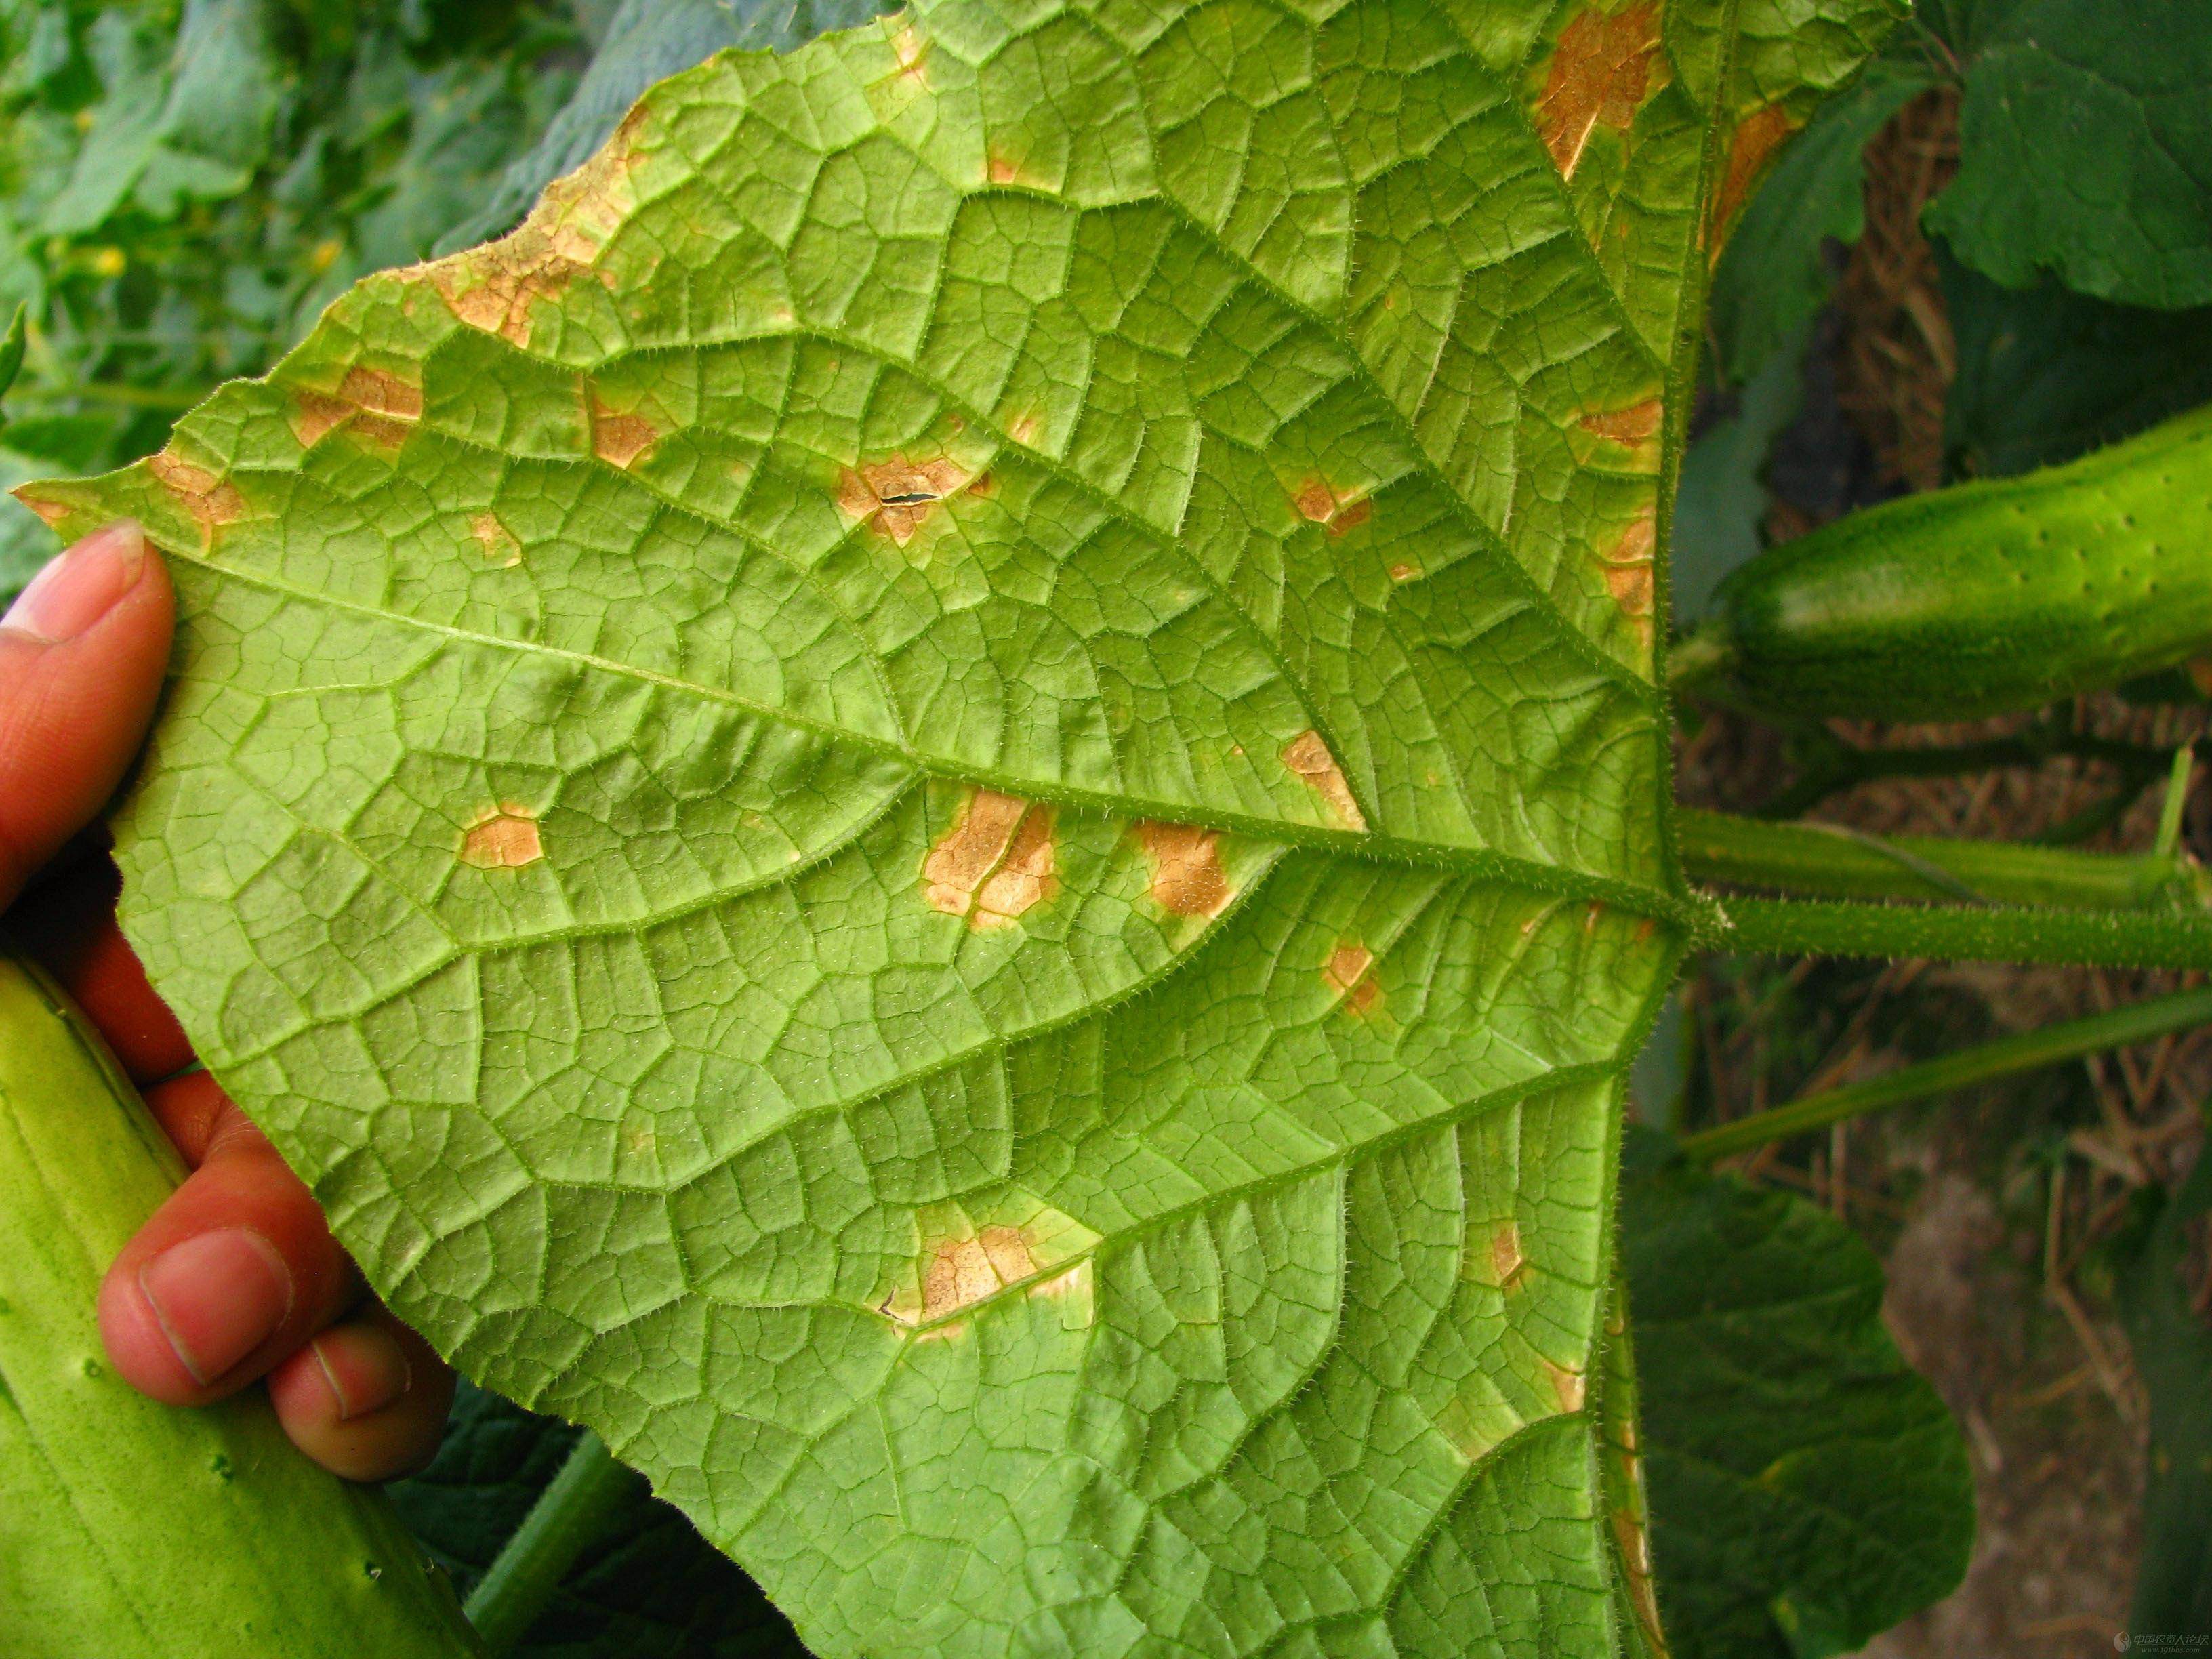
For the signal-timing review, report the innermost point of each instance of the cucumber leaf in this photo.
(1808, 1488)
(946, 805)
(2085, 145)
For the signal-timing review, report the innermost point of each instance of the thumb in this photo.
(81, 656)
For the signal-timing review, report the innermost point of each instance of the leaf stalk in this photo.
(1830, 861)
(569, 1516)
(2030, 1051)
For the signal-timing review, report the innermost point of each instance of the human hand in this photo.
(236, 1277)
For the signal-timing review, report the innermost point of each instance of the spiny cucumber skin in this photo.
(130, 1530)
(1988, 597)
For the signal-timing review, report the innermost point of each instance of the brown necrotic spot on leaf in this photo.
(1403, 572)
(1319, 503)
(1751, 146)
(211, 500)
(498, 543)
(1634, 1538)
(374, 404)
(1601, 73)
(494, 288)
(315, 417)
(958, 1273)
(502, 837)
(49, 510)
(1633, 428)
(1628, 571)
(1350, 975)
(618, 438)
(1569, 1387)
(1307, 756)
(994, 863)
(1506, 1260)
(895, 498)
(913, 54)
(1188, 879)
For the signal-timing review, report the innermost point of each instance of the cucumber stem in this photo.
(1961, 932)
(1830, 861)
(571, 1514)
(2006, 1057)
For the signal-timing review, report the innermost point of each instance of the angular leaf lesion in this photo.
(503, 836)
(1308, 755)
(994, 863)
(1604, 68)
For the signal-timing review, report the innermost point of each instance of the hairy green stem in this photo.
(1958, 933)
(1828, 862)
(2138, 1023)
(570, 1515)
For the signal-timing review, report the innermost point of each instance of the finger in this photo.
(67, 918)
(81, 654)
(367, 1399)
(191, 1108)
(233, 1272)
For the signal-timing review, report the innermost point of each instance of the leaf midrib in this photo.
(1557, 880)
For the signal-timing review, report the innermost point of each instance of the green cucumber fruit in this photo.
(1980, 599)
(133, 1530)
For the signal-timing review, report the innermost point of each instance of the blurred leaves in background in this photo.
(183, 187)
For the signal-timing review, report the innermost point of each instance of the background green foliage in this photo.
(1808, 1489)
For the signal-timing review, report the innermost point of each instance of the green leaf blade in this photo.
(955, 821)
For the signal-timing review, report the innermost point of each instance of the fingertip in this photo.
(82, 653)
(183, 1322)
(232, 1274)
(138, 1348)
(367, 1399)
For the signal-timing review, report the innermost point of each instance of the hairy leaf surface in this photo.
(947, 803)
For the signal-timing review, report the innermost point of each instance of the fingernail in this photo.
(79, 585)
(365, 1368)
(217, 1299)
